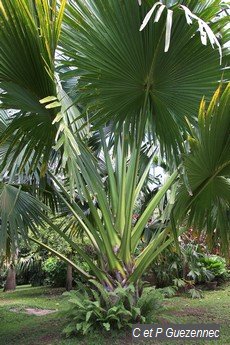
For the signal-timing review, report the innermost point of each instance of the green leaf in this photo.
(106, 326)
(88, 315)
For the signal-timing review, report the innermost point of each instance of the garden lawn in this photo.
(18, 328)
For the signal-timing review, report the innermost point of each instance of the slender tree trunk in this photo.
(10, 284)
(69, 275)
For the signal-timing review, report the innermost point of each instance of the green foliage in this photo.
(149, 303)
(166, 267)
(182, 286)
(204, 196)
(179, 283)
(115, 88)
(216, 265)
(3, 272)
(168, 291)
(55, 271)
(192, 256)
(195, 293)
(192, 265)
(29, 268)
(36, 329)
(204, 267)
(109, 309)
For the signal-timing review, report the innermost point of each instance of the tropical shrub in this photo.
(202, 266)
(55, 272)
(191, 265)
(29, 266)
(216, 265)
(107, 310)
(167, 266)
(192, 254)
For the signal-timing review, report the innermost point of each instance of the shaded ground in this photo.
(22, 329)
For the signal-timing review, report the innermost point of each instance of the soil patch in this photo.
(33, 311)
(190, 312)
(196, 313)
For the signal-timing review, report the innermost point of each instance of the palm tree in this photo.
(71, 68)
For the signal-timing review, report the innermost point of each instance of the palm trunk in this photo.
(10, 284)
(69, 275)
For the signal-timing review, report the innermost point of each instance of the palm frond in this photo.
(207, 167)
(29, 36)
(122, 70)
(19, 212)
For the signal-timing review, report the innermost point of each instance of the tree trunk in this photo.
(69, 275)
(10, 284)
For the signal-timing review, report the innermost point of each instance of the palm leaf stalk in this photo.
(110, 221)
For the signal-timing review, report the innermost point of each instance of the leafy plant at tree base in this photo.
(107, 310)
(168, 291)
(188, 287)
(216, 265)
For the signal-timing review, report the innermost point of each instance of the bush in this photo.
(29, 269)
(55, 272)
(216, 266)
(165, 268)
(150, 302)
(109, 310)
(193, 263)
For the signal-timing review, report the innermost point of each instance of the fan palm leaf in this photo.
(125, 74)
(19, 211)
(206, 195)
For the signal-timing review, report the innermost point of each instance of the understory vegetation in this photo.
(30, 329)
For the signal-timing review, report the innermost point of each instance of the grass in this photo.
(19, 328)
(23, 329)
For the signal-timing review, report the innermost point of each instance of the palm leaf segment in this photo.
(205, 32)
(206, 195)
